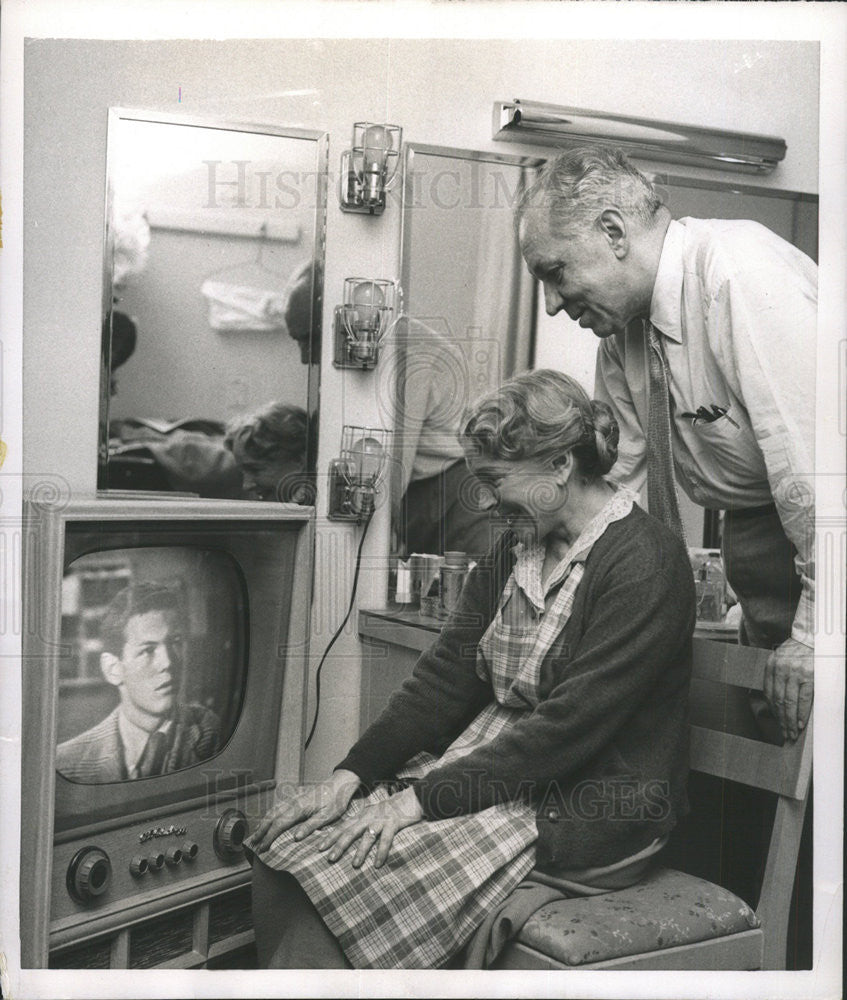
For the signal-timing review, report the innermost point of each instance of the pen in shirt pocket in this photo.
(709, 416)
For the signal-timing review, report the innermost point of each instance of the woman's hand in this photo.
(306, 809)
(374, 825)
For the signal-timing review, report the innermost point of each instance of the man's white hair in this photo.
(574, 188)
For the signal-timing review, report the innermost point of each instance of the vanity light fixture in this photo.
(362, 321)
(369, 167)
(553, 125)
(354, 476)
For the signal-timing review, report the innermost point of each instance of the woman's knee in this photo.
(289, 931)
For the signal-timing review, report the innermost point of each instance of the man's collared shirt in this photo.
(736, 310)
(134, 740)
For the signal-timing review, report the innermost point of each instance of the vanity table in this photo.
(393, 638)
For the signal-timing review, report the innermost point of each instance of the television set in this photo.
(164, 684)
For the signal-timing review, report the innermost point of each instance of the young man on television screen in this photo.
(149, 732)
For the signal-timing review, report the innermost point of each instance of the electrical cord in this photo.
(339, 630)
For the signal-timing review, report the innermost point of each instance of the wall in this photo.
(441, 91)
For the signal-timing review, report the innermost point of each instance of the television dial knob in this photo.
(89, 874)
(173, 856)
(156, 861)
(138, 866)
(230, 834)
(190, 850)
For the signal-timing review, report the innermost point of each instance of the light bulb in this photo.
(375, 143)
(368, 299)
(366, 455)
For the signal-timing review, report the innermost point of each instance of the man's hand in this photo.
(789, 686)
(307, 808)
(376, 825)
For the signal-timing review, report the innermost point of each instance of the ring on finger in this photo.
(373, 833)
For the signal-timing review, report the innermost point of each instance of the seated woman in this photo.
(546, 727)
(270, 448)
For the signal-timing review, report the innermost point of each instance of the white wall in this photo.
(441, 92)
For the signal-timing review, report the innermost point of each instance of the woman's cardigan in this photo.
(603, 757)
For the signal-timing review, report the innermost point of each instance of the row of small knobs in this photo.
(155, 862)
(90, 871)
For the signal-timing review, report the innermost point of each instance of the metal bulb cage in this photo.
(369, 168)
(363, 321)
(354, 476)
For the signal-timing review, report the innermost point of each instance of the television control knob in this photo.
(173, 856)
(230, 834)
(138, 866)
(89, 874)
(156, 861)
(190, 850)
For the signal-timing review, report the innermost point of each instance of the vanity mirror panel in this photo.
(469, 307)
(213, 273)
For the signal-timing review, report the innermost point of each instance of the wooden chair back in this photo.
(726, 742)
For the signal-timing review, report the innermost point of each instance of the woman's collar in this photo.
(529, 559)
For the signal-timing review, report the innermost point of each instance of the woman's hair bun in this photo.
(606, 435)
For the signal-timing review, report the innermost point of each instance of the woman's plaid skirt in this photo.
(439, 882)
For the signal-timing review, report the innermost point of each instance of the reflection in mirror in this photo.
(155, 679)
(468, 325)
(212, 290)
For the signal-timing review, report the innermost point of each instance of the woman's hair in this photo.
(542, 415)
(277, 432)
(578, 184)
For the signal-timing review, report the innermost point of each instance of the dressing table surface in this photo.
(393, 638)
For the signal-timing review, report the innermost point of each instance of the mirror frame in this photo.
(312, 402)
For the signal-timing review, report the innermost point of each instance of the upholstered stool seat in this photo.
(666, 910)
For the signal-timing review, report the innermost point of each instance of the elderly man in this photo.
(708, 362)
(149, 732)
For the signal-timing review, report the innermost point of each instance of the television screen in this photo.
(154, 675)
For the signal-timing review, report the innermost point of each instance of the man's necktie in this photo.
(661, 486)
(153, 756)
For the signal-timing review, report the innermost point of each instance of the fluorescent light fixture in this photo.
(553, 125)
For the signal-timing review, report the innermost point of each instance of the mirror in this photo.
(213, 275)
(469, 324)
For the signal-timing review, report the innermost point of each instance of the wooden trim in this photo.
(727, 663)
(749, 762)
(291, 739)
(231, 944)
(188, 960)
(72, 931)
(775, 897)
(120, 950)
(200, 929)
(42, 545)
